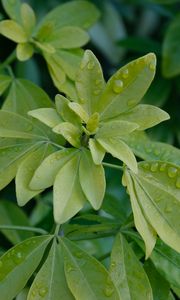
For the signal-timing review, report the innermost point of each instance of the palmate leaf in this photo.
(24, 96)
(126, 87)
(11, 214)
(68, 194)
(148, 149)
(18, 264)
(127, 272)
(50, 282)
(156, 191)
(26, 171)
(5, 81)
(92, 179)
(86, 277)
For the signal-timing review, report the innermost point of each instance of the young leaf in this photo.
(45, 174)
(25, 173)
(70, 132)
(92, 179)
(126, 88)
(89, 82)
(127, 272)
(48, 116)
(13, 31)
(75, 13)
(147, 149)
(68, 195)
(86, 277)
(24, 51)
(67, 37)
(11, 155)
(97, 151)
(25, 96)
(120, 150)
(66, 113)
(159, 200)
(79, 111)
(4, 83)
(12, 8)
(145, 116)
(116, 129)
(11, 214)
(171, 48)
(28, 18)
(19, 263)
(50, 282)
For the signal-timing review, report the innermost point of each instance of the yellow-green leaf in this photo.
(62, 106)
(28, 18)
(70, 132)
(24, 51)
(127, 86)
(92, 179)
(79, 111)
(13, 31)
(97, 151)
(68, 195)
(48, 116)
(4, 83)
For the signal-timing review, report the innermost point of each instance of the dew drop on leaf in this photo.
(146, 166)
(154, 167)
(90, 65)
(125, 73)
(70, 268)
(168, 209)
(109, 290)
(162, 167)
(117, 86)
(42, 292)
(96, 92)
(79, 254)
(172, 172)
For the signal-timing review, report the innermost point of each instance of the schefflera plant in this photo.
(94, 124)
(58, 37)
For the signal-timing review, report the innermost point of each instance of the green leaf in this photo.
(24, 51)
(28, 18)
(13, 31)
(50, 281)
(147, 149)
(4, 83)
(11, 214)
(89, 82)
(144, 115)
(12, 8)
(144, 228)
(171, 49)
(67, 37)
(62, 106)
(70, 132)
(48, 116)
(45, 174)
(79, 111)
(167, 262)
(20, 260)
(157, 188)
(12, 152)
(127, 86)
(68, 195)
(15, 126)
(160, 286)
(93, 123)
(26, 171)
(120, 150)
(55, 69)
(97, 151)
(92, 179)
(127, 272)
(75, 13)
(86, 277)
(25, 96)
(116, 129)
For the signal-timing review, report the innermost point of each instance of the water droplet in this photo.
(172, 172)
(162, 167)
(109, 290)
(79, 254)
(178, 183)
(154, 167)
(113, 264)
(42, 292)
(90, 65)
(117, 86)
(82, 101)
(97, 81)
(70, 268)
(1, 264)
(168, 209)
(152, 66)
(125, 73)
(131, 103)
(146, 166)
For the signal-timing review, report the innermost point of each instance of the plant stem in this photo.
(23, 228)
(8, 60)
(112, 166)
